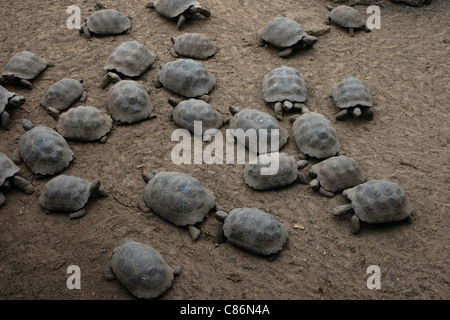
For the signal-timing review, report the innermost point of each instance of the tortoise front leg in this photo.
(342, 115)
(355, 224)
(143, 205)
(25, 83)
(195, 233)
(108, 78)
(342, 210)
(78, 214)
(181, 21)
(278, 109)
(286, 52)
(204, 12)
(108, 273)
(2, 199)
(6, 120)
(16, 157)
(326, 193)
(22, 184)
(351, 32)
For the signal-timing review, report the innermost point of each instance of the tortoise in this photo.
(43, 150)
(105, 23)
(185, 77)
(177, 197)
(315, 136)
(9, 176)
(260, 176)
(187, 113)
(286, 34)
(22, 68)
(63, 94)
(129, 101)
(253, 230)
(251, 125)
(193, 45)
(335, 174)
(130, 59)
(375, 201)
(69, 194)
(84, 123)
(8, 100)
(285, 89)
(347, 17)
(141, 270)
(178, 10)
(353, 97)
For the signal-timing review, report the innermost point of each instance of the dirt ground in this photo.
(405, 65)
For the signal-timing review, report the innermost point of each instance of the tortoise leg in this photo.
(287, 105)
(108, 273)
(22, 184)
(181, 21)
(156, 82)
(342, 210)
(355, 224)
(326, 193)
(25, 83)
(221, 235)
(342, 115)
(177, 271)
(278, 109)
(204, 12)
(174, 53)
(108, 78)
(314, 184)
(16, 101)
(6, 120)
(351, 32)
(173, 101)
(143, 206)
(2, 199)
(83, 97)
(356, 112)
(103, 139)
(367, 113)
(261, 42)
(286, 52)
(102, 193)
(301, 164)
(301, 177)
(78, 214)
(195, 233)
(16, 158)
(87, 33)
(204, 97)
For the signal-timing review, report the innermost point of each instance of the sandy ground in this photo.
(405, 65)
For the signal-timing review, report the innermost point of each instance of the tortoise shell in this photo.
(347, 17)
(141, 270)
(186, 77)
(173, 8)
(282, 32)
(108, 22)
(284, 83)
(351, 92)
(255, 230)
(189, 111)
(178, 198)
(194, 45)
(315, 136)
(129, 102)
(45, 151)
(7, 168)
(379, 201)
(25, 65)
(84, 123)
(62, 94)
(131, 58)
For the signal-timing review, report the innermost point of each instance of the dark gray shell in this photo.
(65, 194)
(25, 65)
(282, 32)
(255, 120)
(338, 173)
(178, 197)
(350, 93)
(315, 136)
(186, 112)
(62, 94)
(131, 58)
(286, 174)
(379, 201)
(194, 45)
(255, 230)
(284, 83)
(347, 17)
(5, 95)
(108, 22)
(186, 77)
(84, 123)
(129, 102)
(7, 168)
(173, 8)
(141, 270)
(45, 151)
